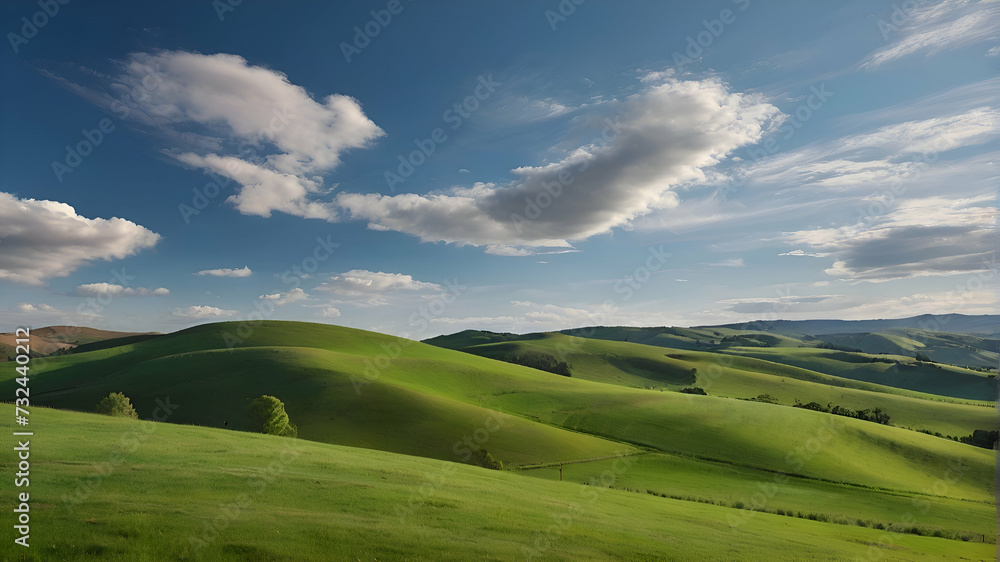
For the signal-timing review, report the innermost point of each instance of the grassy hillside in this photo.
(370, 391)
(897, 371)
(930, 378)
(644, 366)
(954, 349)
(192, 493)
(428, 400)
(213, 387)
(728, 485)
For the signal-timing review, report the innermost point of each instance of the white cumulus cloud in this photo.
(44, 239)
(202, 311)
(661, 137)
(371, 288)
(247, 123)
(28, 307)
(288, 297)
(111, 289)
(329, 312)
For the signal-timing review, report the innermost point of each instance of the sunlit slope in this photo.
(195, 493)
(940, 379)
(645, 366)
(464, 388)
(214, 387)
(780, 438)
(955, 350)
(729, 485)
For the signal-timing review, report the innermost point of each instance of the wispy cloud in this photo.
(934, 27)
(730, 262)
(785, 304)
(930, 236)
(849, 306)
(244, 272)
(802, 253)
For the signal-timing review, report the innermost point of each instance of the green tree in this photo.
(694, 390)
(117, 404)
(269, 417)
(484, 459)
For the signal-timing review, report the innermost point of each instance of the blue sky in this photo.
(422, 168)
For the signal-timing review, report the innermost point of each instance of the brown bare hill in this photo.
(50, 339)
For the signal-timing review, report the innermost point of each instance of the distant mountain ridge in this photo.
(983, 324)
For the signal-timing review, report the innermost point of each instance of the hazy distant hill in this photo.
(50, 339)
(983, 324)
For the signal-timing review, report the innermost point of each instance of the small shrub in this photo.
(813, 406)
(540, 361)
(484, 459)
(269, 417)
(117, 404)
(982, 438)
(694, 390)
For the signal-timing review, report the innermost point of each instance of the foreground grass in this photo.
(193, 493)
(703, 481)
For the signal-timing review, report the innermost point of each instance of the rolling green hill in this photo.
(898, 371)
(644, 366)
(192, 493)
(954, 349)
(351, 388)
(721, 484)
(903, 373)
(319, 373)
(428, 400)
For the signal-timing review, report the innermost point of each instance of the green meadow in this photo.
(117, 489)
